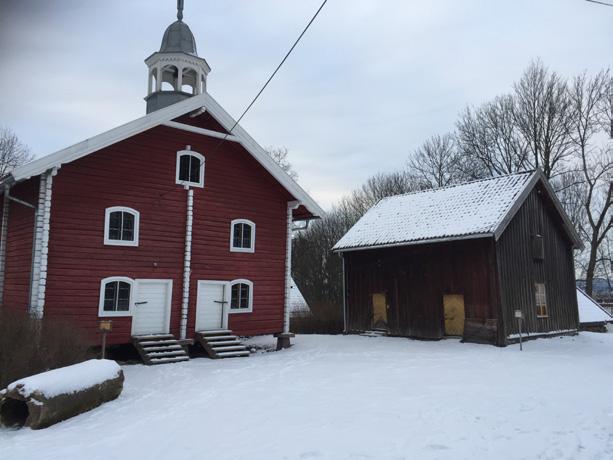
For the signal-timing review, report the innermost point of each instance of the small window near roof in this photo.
(541, 300)
(242, 236)
(121, 226)
(241, 296)
(115, 296)
(190, 168)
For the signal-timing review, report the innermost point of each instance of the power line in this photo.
(599, 2)
(280, 64)
(269, 79)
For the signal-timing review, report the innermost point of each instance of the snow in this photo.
(473, 208)
(296, 300)
(353, 397)
(69, 379)
(589, 310)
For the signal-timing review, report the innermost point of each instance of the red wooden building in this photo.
(173, 223)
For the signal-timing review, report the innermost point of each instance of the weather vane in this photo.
(180, 10)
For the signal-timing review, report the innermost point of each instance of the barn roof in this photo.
(470, 210)
(195, 104)
(297, 302)
(590, 311)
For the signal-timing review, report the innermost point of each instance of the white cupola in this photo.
(175, 71)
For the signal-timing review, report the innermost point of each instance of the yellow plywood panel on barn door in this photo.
(379, 310)
(453, 305)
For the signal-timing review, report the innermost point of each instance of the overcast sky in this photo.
(368, 83)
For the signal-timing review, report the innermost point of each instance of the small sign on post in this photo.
(520, 316)
(106, 325)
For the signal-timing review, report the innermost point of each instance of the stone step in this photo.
(163, 348)
(160, 354)
(215, 332)
(230, 348)
(232, 354)
(177, 359)
(153, 337)
(220, 338)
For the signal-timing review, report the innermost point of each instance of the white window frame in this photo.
(240, 310)
(200, 183)
(103, 283)
(237, 249)
(107, 222)
(541, 297)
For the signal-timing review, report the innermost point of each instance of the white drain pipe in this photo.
(291, 205)
(187, 262)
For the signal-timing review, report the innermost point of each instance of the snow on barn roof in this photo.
(590, 311)
(296, 300)
(470, 210)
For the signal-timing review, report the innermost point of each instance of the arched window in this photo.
(115, 296)
(121, 225)
(190, 168)
(241, 296)
(242, 236)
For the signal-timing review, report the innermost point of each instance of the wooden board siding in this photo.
(415, 279)
(519, 270)
(20, 238)
(140, 173)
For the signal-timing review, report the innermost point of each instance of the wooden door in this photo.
(152, 303)
(379, 310)
(453, 305)
(211, 305)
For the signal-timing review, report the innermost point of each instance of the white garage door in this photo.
(211, 305)
(151, 310)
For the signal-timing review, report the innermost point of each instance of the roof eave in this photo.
(153, 119)
(537, 176)
(471, 236)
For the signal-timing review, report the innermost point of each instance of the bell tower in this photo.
(176, 72)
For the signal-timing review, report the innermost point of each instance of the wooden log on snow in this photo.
(44, 399)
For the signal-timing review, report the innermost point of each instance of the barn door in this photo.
(454, 314)
(379, 310)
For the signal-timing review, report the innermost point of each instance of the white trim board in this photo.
(161, 117)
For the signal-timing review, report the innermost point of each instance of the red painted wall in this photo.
(140, 173)
(19, 246)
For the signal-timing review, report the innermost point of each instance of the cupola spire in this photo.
(176, 72)
(180, 10)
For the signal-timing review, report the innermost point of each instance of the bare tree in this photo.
(13, 153)
(491, 141)
(435, 163)
(542, 115)
(315, 267)
(591, 182)
(279, 155)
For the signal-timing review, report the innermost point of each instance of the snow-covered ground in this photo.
(335, 397)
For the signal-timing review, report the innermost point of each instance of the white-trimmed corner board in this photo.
(233, 225)
(111, 279)
(107, 220)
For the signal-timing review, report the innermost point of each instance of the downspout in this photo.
(187, 262)
(3, 235)
(344, 296)
(291, 205)
(37, 244)
(44, 253)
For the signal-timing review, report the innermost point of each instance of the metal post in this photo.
(103, 344)
(520, 336)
